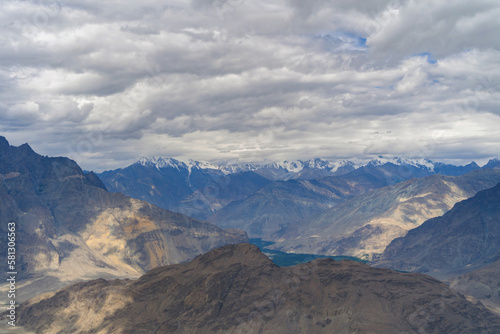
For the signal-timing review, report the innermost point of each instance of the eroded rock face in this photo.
(237, 289)
(69, 227)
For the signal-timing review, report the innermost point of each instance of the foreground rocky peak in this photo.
(236, 289)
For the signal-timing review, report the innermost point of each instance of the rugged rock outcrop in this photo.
(237, 289)
(69, 227)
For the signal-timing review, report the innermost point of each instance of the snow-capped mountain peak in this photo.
(192, 164)
(161, 162)
(294, 168)
(421, 163)
(290, 166)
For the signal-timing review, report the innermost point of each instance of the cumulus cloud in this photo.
(108, 82)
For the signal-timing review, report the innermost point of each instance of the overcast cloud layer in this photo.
(238, 80)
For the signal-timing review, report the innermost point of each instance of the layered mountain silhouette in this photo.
(69, 227)
(237, 289)
(289, 212)
(279, 205)
(199, 189)
(464, 239)
(363, 226)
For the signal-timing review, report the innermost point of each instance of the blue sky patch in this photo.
(430, 57)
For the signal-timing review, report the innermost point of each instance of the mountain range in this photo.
(308, 214)
(363, 226)
(237, 289)
(69, 227)
(279, 206)
(198, 189)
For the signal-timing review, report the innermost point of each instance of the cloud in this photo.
(108, 82)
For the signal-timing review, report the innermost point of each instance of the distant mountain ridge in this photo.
(288, 169)
(294, 169)
(195, 189)
(493, 163)
(281, 208)
(199, 189)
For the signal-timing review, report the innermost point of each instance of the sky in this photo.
(107, 82)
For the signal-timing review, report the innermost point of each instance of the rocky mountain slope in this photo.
(69, 227)
(363, 226)
(195, 189)
(276, 206)
(279, 210)
(483, 284)
(464, 239)
(237, 289)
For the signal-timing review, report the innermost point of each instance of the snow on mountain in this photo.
(290, 166)
(299, 165)
(192, 164)
(163, 162)
(420, 163)
(344, 163)
(160, 162)
(296, 168)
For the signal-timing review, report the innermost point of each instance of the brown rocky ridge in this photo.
(237, 289)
